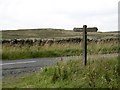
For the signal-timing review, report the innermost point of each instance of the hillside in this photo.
(51, 33)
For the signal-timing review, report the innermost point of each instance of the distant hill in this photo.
(50, 33)
(113, 32)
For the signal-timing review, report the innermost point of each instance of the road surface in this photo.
(15, 67)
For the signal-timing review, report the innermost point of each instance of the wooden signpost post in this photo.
(85, 44)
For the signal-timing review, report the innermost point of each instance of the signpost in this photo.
(85, 44)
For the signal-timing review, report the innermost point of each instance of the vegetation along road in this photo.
(17, 67)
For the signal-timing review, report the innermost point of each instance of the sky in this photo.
(63, 14)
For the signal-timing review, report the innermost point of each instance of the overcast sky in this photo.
(65, 14)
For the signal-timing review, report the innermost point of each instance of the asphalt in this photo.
(17, 67)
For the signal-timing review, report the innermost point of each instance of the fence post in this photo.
(85, 44)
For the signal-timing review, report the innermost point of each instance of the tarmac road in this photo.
(15, 67)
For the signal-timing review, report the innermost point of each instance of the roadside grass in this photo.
(99, 73)
(13, 52)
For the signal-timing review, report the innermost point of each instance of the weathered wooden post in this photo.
(85, 44)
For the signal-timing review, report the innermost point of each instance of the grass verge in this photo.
(13, 52)
(99, 73)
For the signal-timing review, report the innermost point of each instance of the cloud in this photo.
(119, 16)
(58, 13)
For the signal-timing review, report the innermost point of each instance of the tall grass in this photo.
(70, 49)
(99, 73)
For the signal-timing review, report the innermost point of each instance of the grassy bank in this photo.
(99, 73)
(12, 52)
